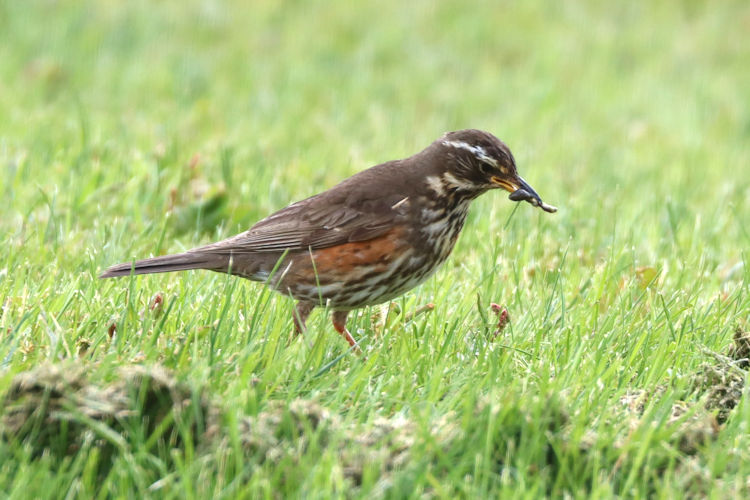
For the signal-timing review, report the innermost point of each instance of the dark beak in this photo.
(524, 192)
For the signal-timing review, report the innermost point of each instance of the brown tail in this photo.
(167, 263)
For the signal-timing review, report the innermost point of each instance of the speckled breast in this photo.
(370, 272)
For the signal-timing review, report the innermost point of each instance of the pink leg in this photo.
(301, 312)
(339, 323)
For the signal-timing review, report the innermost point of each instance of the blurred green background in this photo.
(620, 108)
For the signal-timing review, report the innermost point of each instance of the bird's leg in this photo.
(339, 323)
(301, 312)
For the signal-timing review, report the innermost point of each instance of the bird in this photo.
(366, 240)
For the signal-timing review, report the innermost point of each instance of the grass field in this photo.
(130, 129)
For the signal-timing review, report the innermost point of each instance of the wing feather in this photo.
(319, 222)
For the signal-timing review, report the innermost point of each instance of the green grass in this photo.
(130, 129)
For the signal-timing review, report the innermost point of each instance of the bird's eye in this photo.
(486, 168)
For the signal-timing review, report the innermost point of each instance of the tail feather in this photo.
(165, 264)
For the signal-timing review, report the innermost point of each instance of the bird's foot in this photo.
(339, 323)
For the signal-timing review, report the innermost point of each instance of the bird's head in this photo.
(479, 161)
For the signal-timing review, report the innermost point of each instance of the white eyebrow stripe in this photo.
(477, 151)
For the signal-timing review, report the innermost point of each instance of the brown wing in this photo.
(333, 217)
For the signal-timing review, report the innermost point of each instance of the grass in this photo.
(136, 128)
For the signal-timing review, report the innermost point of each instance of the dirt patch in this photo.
(723, 379)
(694, 428)
(718, 384)
(57, 408)
(692, 425)
(283, 431)
(270, 433)
(740, 348)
